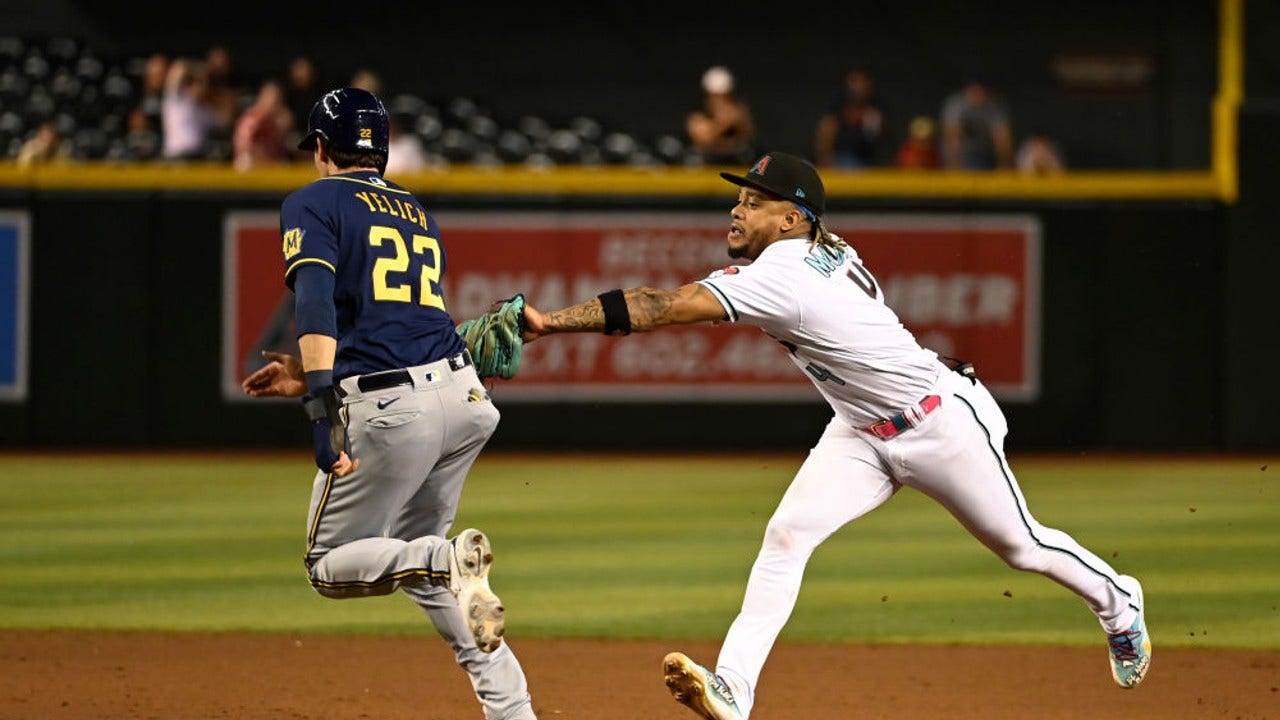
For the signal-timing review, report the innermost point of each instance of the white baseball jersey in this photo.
(829, 312)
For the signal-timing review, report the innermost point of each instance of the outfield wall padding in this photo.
(1150, 311)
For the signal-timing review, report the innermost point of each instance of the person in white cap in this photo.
(723, 130)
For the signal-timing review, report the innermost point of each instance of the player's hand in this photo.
(325, 438)
(344, 465)
(534, 326)
(281, 377)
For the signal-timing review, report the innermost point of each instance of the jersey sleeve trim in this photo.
(724, 299)
(304, 261)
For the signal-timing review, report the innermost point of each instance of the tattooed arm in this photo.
(649, 308)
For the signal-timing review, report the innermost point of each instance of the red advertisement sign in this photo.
(257, 309)
(966, 285)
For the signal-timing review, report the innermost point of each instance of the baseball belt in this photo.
(909, 418)
(392, 378)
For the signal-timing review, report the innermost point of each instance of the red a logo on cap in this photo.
(761, 164)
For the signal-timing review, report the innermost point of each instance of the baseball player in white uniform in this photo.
(903, 416)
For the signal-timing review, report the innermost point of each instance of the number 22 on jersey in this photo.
(393, 268)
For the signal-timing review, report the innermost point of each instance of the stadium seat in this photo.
(116, 88)
(64, 86)
(89, 69)
(13, 86)
(12, 49)
(486, 155)
(11, 123)
(61, 52)
(564, 147)
(483, 127)
(408, 105)
(90, 144)
(457, 145)
(428, 127)
(618, 148)
(587, 128)
(513, 146)
(460, 111)
(670, 150)
(534, 128)
(35, 66)
(39, 106)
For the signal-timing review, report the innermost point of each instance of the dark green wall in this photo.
(1149, 323)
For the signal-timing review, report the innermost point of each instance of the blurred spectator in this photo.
(303, 87)
(1039, 155)
(919, 151)
(723, 130)
(366, 79)
(187, 119)
(152, 92)
(976, 133)
(225, 94)
(45, 145)
(851, 132)
(261, 129)
(141, 139)
(405, 153)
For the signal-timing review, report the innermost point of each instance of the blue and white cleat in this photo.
(701, 690)
(1131, 649)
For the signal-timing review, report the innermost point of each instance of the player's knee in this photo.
(782, 537)
(779, 535)
(1024, 556)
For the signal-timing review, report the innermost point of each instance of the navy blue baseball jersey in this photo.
(388, 261)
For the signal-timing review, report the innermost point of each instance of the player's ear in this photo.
(791, 218)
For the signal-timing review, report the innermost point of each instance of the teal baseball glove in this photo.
(496, 339)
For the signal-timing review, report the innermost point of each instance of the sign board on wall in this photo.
(966, 285)
(15, 268)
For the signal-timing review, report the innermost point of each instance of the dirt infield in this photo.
(105, 676)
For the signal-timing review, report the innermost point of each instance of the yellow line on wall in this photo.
(632, 182)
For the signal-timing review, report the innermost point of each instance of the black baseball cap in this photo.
(788, 177)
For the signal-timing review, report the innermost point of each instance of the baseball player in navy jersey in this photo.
(903, 416)
(399, 414)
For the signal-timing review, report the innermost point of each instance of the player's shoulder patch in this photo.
(730, 270)
(292, 242)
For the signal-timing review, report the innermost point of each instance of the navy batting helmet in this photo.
(348, 119)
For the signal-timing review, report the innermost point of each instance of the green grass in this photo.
(626, 547)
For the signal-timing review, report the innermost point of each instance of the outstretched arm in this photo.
(648, 308)
(282, 376)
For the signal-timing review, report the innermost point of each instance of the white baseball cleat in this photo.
(1131, 648)
(469, 565)
(701, 690)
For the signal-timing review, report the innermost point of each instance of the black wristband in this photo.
(318, 380)
(617, 319)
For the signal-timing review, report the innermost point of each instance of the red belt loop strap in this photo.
(890, 427)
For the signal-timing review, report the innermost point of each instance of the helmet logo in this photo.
(330, 104)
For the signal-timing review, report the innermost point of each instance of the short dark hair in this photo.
(347, 159)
